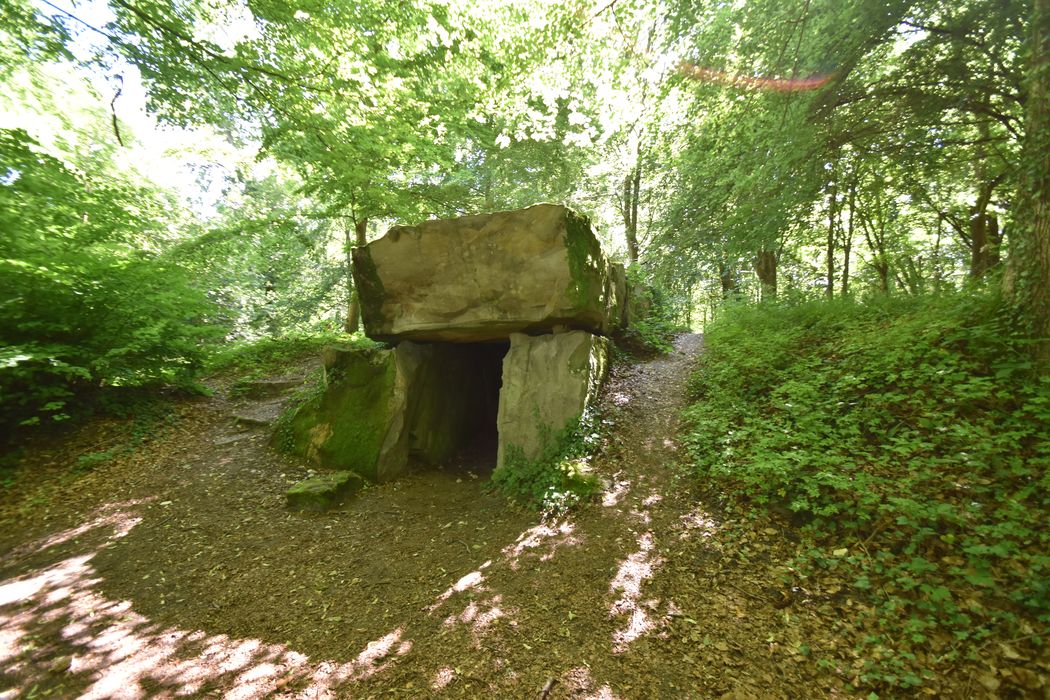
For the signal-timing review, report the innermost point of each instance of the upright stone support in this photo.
(548, 382)
(358, 422)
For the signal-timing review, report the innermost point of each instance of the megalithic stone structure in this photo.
(479, 278)
(497, 322)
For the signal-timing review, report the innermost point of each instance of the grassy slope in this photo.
(910, 440)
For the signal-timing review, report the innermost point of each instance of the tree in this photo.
(1029, 280)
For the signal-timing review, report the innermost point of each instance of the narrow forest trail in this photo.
(182, 574)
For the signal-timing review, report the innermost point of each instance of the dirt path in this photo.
(181, 574)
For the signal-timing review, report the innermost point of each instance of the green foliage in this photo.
(911, 437)
(270, 354)
(90, 460)
(86, 301)
(284, 435)
(560, 477)
(266, 261)
(654, 317)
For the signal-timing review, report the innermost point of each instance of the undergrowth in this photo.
(561, 476)
(267, 356)
(653, 324)
(909, 438)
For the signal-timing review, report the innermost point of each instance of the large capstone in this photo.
(548, 383)
(481, 278)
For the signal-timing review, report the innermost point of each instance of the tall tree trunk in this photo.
(766, 269)
(631, 189)
(727, 276)
(984, 234)
(984, 227)
(1028, 281)
(936, 276)
(847, 246)
(353, 311)
(995, 242)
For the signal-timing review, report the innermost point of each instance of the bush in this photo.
(86, 300)
(911, 433)
(267, 355)
(560, 477)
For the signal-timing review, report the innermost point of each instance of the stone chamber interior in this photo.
(464, 389)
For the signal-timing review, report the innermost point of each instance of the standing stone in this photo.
(548, 382)
(358, 421)
(480, 278)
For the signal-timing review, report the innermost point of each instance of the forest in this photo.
(818, 465)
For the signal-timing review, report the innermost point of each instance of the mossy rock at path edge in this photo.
(324, 491)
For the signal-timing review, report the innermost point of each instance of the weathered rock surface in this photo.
(259, 414)
(357, 421)
(319, 493)
(480, 278)
(548, 382)
(270, 388)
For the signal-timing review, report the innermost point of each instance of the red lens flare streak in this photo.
(711, 75)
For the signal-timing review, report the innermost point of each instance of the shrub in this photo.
(267, 355)
(561, 476)
(88, 300)
(654, 325)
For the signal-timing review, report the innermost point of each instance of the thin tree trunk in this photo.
(727, 277)
(847, 246)
(353, 311)
(829, 289)
(631, 189)
(937, 255)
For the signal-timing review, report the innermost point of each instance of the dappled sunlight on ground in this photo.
(579, 683)
(697, 522)
(471, 580)
(612, 495)
(53, 621)
(427, 586)
(634, 571)
(546, 536)
(442, 678)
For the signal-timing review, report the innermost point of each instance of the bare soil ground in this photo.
(176, 571)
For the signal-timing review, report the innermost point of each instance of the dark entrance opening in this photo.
(457, 421)
(481, 437)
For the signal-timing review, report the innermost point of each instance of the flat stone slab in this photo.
(324, 491)
(261, 414)
(481, 278)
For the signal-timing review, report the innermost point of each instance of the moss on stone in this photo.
(345, 425)
(587, 266)
(324, 491)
